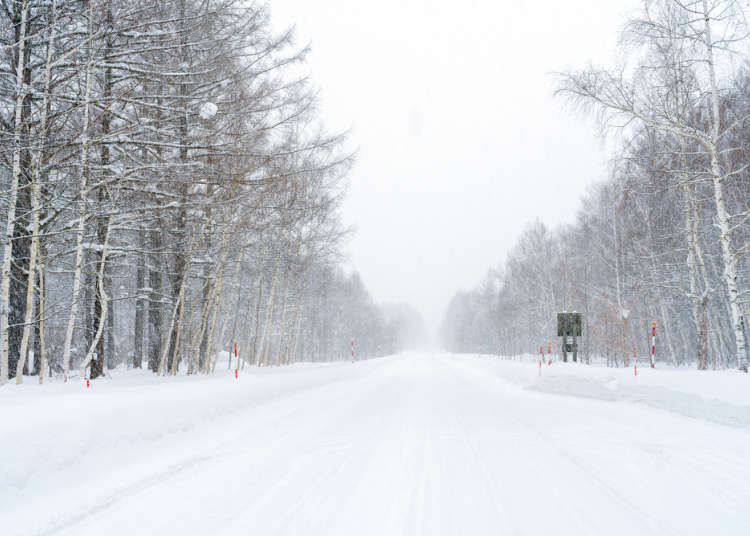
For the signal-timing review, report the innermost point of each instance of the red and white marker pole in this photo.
(237, 363)
(549, 354)
(351, 342)
(541, 357)
(653, 343)
(88, 383)
(635, 362)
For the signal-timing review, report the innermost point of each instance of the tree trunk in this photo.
(154, 304)
(282, 324)
(235, 285)
(223, 255)
(165, 351)
(697, 302)
(196, 344)
(269, 316)
(111, 350)
(259, 297)
(82, 210)
(35, 208)
(103, 317)
(20, 28)
(140, 301)
(722, 217)
(103, 222)
(40, 337)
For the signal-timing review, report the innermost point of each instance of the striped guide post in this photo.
(635, 362)
(351, 342)
(653, 343)
(237, 363)
(549, 354)
(541, 357)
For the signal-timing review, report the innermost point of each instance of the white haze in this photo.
(461, 142)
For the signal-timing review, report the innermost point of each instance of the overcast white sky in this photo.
(460, 140)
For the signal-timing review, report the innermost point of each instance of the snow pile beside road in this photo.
(60, 442)
(721, 397)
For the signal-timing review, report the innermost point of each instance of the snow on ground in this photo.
(412, 444)
(718, 396)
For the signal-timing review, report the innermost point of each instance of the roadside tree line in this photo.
(168, 190)
(665, 237)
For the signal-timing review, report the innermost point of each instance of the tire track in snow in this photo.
(655, 525)
(112, 498)
(360, 393)
(123, 492)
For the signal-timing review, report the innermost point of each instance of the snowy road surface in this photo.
(407, 445)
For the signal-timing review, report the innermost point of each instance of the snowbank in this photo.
(60, 441)
(721, 396)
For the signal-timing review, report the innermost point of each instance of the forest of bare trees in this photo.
(665, 237)
(168, 191)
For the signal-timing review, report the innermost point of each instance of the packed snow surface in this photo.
(406, 445)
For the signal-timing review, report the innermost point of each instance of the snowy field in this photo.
(407, 445)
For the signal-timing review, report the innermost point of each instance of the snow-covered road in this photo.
(408, 445)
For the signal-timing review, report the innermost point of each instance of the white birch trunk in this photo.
(245, 340)
(691, 271)
(209, 361)
(194, 361)
(704, 345)
(282, 326)
(42, 343)
(35, 207)
(105, 302)
(12, 197)
(259, 297)
(30, 288)
(269, 316)
(722, 217)
(244, 337)
(225, 321)
(177, 338)
(163, 359)
(195, 342)
(693, 247)
(81, 210)
(618, 287)
(245, 348)
(297, 329)
(181, 313)
(292, 326)
(730, 264)
(176, 317)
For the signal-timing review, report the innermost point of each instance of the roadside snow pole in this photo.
(351, 342)
(653, 343)
(88, 384)
(237, 365)
(541, 357)
(635, 362)
(549, 354)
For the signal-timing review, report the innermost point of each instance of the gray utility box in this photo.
(569, 325)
